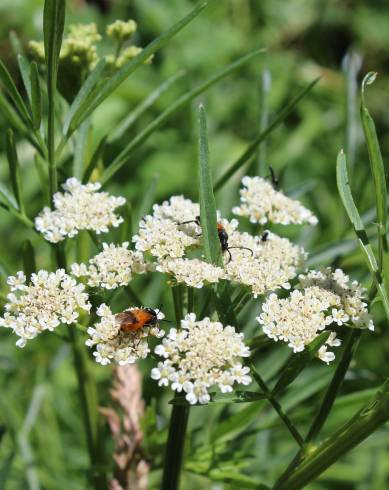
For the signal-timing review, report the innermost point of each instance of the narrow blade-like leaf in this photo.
(24, 69)
(207, 201)
(10, 87)
(94, 160)
(298, 362)
(53, 27)
(353, 214)
(14, 169)
(36, 102)
(147, 200)
(84, 92)
(140, 109)
(251, 150)
(123, 156)
(94, 100)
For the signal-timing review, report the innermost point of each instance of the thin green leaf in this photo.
(235, 478)
(353, 214)
(140, 138)
(134, 115)
(207, 201)
(14, 169)
(147, 200)
(84, 92)
(378, 173)
(5, 470)
(7, 198)
(298, 362)
(251, 150)
(95, 99)
(29, 265)
(237, 397)
(53, 27)
(36, 102)
(10, 87)
(16, 45)
(94, 160)
(11, 116)
(24, 69)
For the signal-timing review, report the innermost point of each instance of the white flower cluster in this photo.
(271, 265)
(80, 207)
(200, 355)
(50, 299)
(192, 272)
(114, 344)
(262, 204)
(262, 265)
(161, 233)
(111, 268)
(321, 298)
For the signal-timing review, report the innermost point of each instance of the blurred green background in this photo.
(330, 39)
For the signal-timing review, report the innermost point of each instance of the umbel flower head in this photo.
(121, 30)
(113, 343)
(261, 203)
(80, 207)
(193, 272)
(51, 298)
(111, 268)
(271, 264)
(201, 355)
(322, 298)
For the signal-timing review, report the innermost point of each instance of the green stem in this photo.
(276, 405)
(340, 372)
(328, 400)
(177, 302)
(190, 299)
(175, 447)
(318, 459)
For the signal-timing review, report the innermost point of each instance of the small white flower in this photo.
(321, 298)
(111, 268)
(263, 204)
(192, 272)
(51, 298)
(80, 207)
(202, 355)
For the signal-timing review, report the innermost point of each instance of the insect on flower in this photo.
(223, 237)
(136, 319)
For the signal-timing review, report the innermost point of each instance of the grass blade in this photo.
(53, 27)
(36, 102)
(95, 99)
(14, 169)
(353, 214)
(298, 362)
(10, 87)
(377, 169)
(126, 124)
(80, 149)
(123, 156)
(24, 69)
(206, 197)
(251, 150)
(84, 92)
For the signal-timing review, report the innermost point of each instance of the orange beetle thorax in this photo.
(132, 320)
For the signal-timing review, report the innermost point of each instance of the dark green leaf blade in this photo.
(298, 362)
(24, 69)
(14, 169)
(207, 201)
(53, 27)
(251, 150)
(94, 100)
(123, 156)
